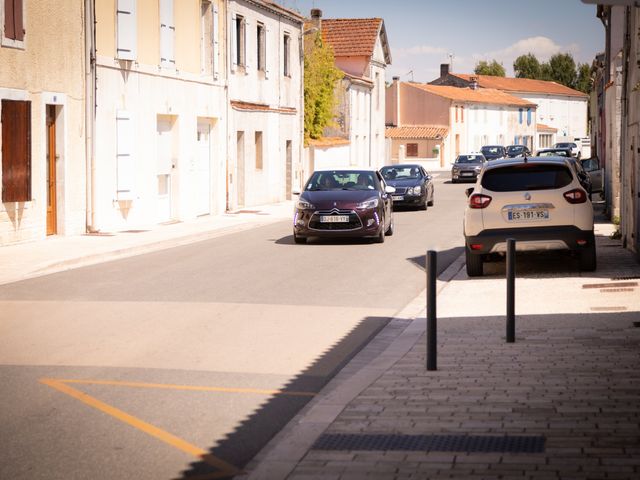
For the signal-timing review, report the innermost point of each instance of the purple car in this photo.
(344, 203)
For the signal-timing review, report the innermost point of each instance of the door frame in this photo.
(52, 183)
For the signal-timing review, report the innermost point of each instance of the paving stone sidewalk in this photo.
(570, 381)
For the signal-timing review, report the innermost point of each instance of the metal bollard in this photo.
(511, 290)
(432, 258)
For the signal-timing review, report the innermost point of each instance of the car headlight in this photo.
(304, 205)
(371, 203)
(415, 190)
(454, 169)
(477, 169)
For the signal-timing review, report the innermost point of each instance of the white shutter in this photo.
(167, 34)
(265, 45)
(234, 43)
(245, 50)
(216, 45)
(126, 30)
(124, 155)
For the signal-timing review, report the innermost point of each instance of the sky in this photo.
(423, 33)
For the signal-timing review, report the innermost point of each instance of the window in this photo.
(286, 53)
(528, 177)
(13, 28)
(260, 47)
(378, 90)
(412, 149)
(167, 34)
(258, 150)
(206, 38)
(456, 113)
(126, 30)
(238, 41)
(16, 151)
(520, 115)
(528, 116)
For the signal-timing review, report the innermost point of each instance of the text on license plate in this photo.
(397, 197)
(334, 218)
(523, 215)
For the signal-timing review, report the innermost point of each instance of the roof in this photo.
(541, 127)
(417, 131)
(527, 85)
(280, 9)
(480, 95)
(260, 107)
(354, 37)
(520, 160)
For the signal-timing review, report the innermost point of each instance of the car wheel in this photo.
(474, 263)
(389, 231)
(299, 240)
(454, 181)
(423, 206)
(587, 257)
(430, 202)
(380, 237)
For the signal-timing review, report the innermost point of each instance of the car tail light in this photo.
(577, 195)
(476, 246)
(478, 200)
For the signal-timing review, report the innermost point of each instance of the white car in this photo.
(575, 149)
(538, 201)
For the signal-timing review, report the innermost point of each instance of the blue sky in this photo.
(423, 32)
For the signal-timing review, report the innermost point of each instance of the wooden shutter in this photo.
(216, 45)
(167, 34)
(16, 151)
(245, 52)
(127, 30)
(124, 155)
(13, 20)
(412, 149)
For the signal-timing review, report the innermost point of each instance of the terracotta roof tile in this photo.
(417, 131)
(525, 85)
(541, 127)
(351, 37)
(480, 95)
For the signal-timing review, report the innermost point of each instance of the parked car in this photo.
(412, 183)
(344, 203)
(493, 152)
(538, 201)
(467, 167)
(554, 152)
(575, 150)
(592, 167)
(518, 151)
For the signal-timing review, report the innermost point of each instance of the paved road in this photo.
(137, 368)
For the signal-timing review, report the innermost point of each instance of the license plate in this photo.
(527, 215)
(395, 198)
(466, 174)
(334, 218)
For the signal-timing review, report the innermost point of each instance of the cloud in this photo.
(418, 50)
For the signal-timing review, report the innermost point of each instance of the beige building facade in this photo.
(42, 144)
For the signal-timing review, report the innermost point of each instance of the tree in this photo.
(320, 77)
(494, 69)
(563, 69)
(584, 82)
(527, 66)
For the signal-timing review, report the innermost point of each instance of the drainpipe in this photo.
(371, 123)
(90, 112)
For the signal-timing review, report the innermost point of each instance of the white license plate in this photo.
(466, 174)
(395, 198)
(334, 218)
(527, 215)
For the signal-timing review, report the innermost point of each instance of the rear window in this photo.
(526, 177)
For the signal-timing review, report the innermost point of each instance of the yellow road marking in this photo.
(166, 437)
(188, 387)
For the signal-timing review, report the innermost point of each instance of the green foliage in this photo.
(494, 69)
(584, 82)
(320, 78)
(563, 69)
(527, 66)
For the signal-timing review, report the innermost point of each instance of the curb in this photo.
(280, 456)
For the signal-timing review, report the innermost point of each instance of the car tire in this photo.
(474, 263)
(299, 240)
(587, 257)
(423, 206)
(430, 202)
(454, 181)
(380, 237)
(390, 230)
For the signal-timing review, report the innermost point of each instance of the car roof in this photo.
(471, 153)
(501, 162)
(346, 169)
(492, 146)
(565, 149)
(402, 165)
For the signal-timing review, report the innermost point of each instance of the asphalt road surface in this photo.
(185, 362)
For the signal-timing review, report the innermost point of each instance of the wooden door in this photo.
(52, 217)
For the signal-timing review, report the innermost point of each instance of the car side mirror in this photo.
(295, 191)
(468, 191)
(389, 189)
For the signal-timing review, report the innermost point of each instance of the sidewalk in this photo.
(58, 253)
(563, 401)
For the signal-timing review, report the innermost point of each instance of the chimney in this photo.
(316, 17)
(474, 83)
(444, 70)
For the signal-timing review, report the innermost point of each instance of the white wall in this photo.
(567, 114)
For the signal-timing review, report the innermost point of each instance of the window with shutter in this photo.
(216, 34)
(260, 46)
(206, 38)
(126, 30)
(13, 31)
(16, 151)
(167, 34)
(286, 47)
(124, 155)
(412, 149)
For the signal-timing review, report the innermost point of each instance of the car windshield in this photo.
(470, 159)
(342, 180)
(553, 153)
(491, 150)
(515, 178)
(401, 172)
(566, 145)
(515, 149)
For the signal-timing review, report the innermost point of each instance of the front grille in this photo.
(400, 190)
(354, 222)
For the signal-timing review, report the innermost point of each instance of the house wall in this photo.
(154, 97)
(425, 150)
(567, 114)
(378, 107)
(48, 69)
(356, 66)
(336, 156)
(361, 123)
(418, 107)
